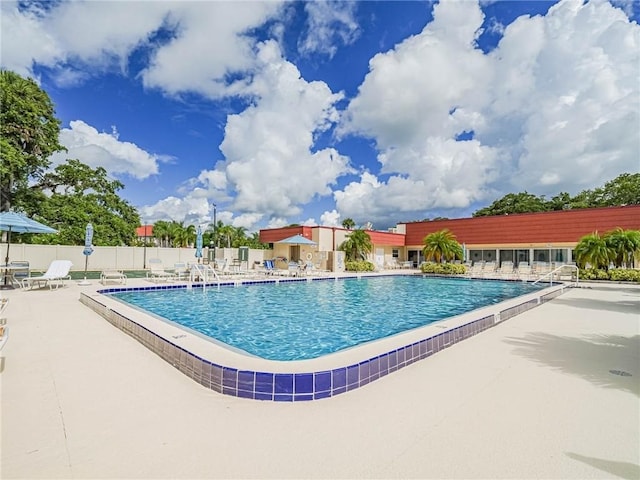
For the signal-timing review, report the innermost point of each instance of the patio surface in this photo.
(533, 397)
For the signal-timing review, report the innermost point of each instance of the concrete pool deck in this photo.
(533, 397)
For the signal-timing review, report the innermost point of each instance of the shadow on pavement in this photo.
(619, 469)
(609, 361)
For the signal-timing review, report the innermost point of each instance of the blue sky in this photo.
(312, 112)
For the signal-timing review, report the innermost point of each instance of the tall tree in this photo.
(514, 203)
(442, 245)
(161, 232)
(225, 233)
(28, 137)
(184, 236)
(76, 195)
(357, 245)
(622, 190)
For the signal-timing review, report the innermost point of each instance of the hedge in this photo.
(443, 268)
(360, 266)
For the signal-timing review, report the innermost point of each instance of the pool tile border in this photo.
(305, 386)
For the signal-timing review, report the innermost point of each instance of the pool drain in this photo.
(620, 372)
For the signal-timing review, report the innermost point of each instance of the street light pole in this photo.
(214, 231)
(144, 255)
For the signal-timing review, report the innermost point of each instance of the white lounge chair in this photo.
(20, 271)
(55, 276)
(4, 336)
(115, 275)
(157, 271)
(4, 303)
(181, 270)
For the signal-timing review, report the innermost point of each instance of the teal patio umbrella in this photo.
(88, 250)
(199, 243)
(19, 223)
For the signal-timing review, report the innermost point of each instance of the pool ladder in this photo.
(205, 272)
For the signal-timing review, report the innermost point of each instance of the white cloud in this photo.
(329, 24)
(330, 219)
(206, 41)
(75, 32)
(554, 107)
(278, 169)
(192, 210)
(246, 220)
(277, 222)
(210, 44)
(100, 149)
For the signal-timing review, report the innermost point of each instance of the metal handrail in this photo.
(557, 270)
(205, 272)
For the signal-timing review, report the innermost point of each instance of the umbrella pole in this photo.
(6, 259)
(84, 282)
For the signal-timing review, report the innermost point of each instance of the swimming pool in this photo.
(231, 371)
(304, 320)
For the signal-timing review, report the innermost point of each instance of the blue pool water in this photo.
(303, 320)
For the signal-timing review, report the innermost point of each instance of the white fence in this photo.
(121, 258)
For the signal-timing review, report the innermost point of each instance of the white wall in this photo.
(121, 258)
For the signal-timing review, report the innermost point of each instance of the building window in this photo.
(395, 253)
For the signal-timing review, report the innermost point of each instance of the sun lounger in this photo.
(115, 275)
(55, 276)
(20, 271)
(4, 303)
(4, 336)
(181, 270)
(157, 271)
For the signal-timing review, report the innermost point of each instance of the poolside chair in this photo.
(181, 270)
(4, 336)
(115, 275)
(55, 276)
(157, 271)
(523, 271)
(19, 271)
(4, 303)
(489, 270)
(506, 270)
(271, 269)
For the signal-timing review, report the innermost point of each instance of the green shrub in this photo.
(443, 268)
(616, 274)
(624, 275)
(593, 274)
(360, 266)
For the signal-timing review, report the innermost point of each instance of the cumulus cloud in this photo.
(330, 219)
(554, 107)
(204, 42)
(271, 163)
(329, 25)
(69, 32)
(100, 149)
(210, 45)
(190, 209)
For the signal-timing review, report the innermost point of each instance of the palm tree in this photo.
(184, 236)
(348, 223)
(161, 232)
(239, 236)
(442, 245)
(225, 232)
(625, 244)
(357, 245)
(593, 249)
